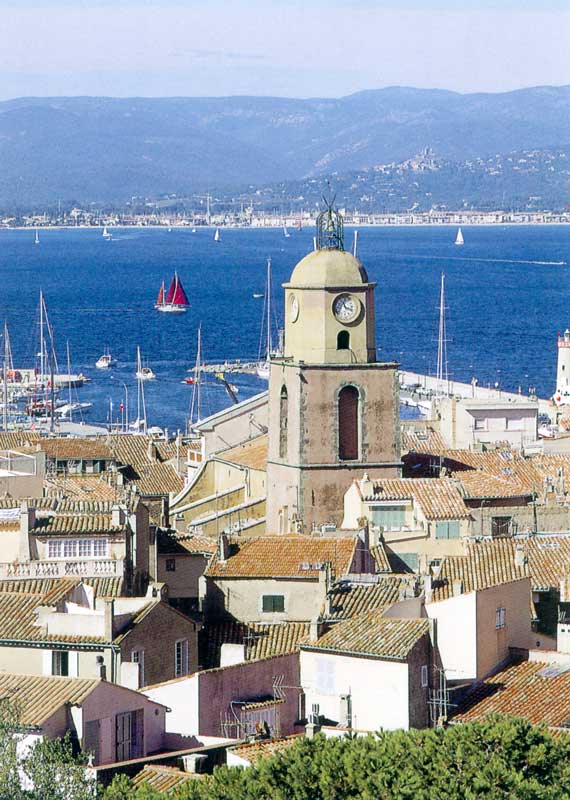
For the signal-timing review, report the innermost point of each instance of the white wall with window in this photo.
(78, 548)
(391, 516)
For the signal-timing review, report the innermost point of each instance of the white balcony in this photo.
(80, 568)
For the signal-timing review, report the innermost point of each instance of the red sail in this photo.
(179, 298)
(160, 298)
(172, 289)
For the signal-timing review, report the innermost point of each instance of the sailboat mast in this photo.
(42, 344)
(442, 374)
(269, 348)
(69, 381)
(5, 376)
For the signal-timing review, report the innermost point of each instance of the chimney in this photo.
(194, 762)
(101, 668)
(117, 516)
(151, 451)
(27, 523)
(457, 588)
(561, 486)
(164, 513)
(109, 615)
(315, 630)
(428, 588)
(223, 548)
(520, 558)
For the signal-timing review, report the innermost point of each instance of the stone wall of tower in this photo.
(309, 479)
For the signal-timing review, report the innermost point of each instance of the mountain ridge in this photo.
(107, 149)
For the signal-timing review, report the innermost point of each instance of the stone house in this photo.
(278, 578)
(109, 722)
(70, 631)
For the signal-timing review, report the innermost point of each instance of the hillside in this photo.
(105, 149)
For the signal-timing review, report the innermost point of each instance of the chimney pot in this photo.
(457, 588)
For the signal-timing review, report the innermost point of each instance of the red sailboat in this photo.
(175, 301)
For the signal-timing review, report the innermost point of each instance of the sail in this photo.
(160, 298)
(172, 289)
(459, 237)
(179, 297)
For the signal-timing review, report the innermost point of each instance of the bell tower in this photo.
(333, 409)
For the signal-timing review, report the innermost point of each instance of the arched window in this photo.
(343, 340)
(348, 400)
(283, 423)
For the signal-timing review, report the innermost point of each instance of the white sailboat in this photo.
(217, 235)
(286, 233)
(37, 239)
(459, 238)
(143, 373)
(106, 234)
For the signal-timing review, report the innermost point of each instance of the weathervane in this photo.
(330, 227)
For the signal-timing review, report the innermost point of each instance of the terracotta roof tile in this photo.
(347, 600)
(545, 559)
(261, 640)
(104, 587)
(76, 524)
(163, 779)
(250, 454)
(262, 748)
(286, 557)
(422, 441)
(79, 447)
(152, 474)
(37, 697)
(378, 553)
(81, 487)
(537, 691)
(194, 544)
(18, 621)
(373, 635)
(439, 498)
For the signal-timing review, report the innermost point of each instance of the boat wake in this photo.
(489, 260)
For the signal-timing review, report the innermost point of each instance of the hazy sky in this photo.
(299, 48)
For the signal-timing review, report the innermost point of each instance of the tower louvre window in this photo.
(348, 401)
(283, 423)
(343, 340)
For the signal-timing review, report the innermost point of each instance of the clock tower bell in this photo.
(333, 409)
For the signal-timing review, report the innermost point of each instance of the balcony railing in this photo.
(86, 568)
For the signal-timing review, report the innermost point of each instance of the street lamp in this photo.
(126, 401)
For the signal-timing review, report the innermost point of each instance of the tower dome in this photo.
(328, 268)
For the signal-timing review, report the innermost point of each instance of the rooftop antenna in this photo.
(355, 245)
(442, 375)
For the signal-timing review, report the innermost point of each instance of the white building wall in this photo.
(456, 635)
(379, 689)
(182, 698)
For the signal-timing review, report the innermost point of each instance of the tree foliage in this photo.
(498, 759)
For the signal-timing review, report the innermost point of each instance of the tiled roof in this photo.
(285, 557)
(439, 498)
(492, 562)
(37, 697)
(535, 690)
(153, 476)
(163, 779)
(76, 524)
(10, 440)
(250, 454)
(373, 635)
(104, 587)
(262, 748)
(18, 621)
(348, 600)
(76, 447)
(194, 544)
(378, 553)
(81, 487)
(262, 640)
(425, 441)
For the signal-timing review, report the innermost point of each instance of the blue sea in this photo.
(505, 303)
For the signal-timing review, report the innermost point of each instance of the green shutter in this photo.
(447, 530)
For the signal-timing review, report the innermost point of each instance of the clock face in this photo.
(346, 308)
(293, 308)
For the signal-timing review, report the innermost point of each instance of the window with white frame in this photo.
(500, 618)
(137, 657)
(424, 676)
(181, 657)
(325, 677)
(78, 548)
